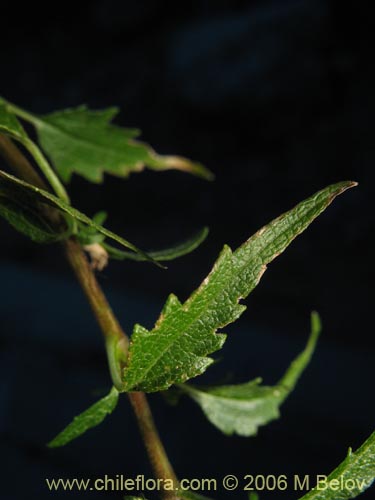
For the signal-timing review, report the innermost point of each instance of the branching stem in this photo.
(107, 321)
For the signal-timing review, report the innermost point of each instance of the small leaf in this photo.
(29, 220)
(87, 235)
(92, 417)
(243, 408)
(9, 124)
(164, 255)
(351, 478)
(22, 189)
(177, 348)
(84, 142)
(253, 496)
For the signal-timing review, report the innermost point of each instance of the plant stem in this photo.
(156, 452)
(21, 113)
(45, 167)
(35, 151)
(20, 165)
(107, 321)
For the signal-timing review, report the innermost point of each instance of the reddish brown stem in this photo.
(107, 321)
(155, 449)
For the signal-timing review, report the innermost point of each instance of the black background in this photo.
(277, 99)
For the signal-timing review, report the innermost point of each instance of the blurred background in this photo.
(277, 99)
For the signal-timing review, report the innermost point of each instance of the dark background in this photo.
(277, 99)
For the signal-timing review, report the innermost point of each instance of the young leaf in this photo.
(351, 478)
(92, 417)
(171, 253)
(85, 142)
(22, 189)
(243, 408)
(177, 348)
(87, 235)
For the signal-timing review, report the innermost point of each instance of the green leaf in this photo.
(23, 189)
(243, 408)
(9, 124)
(84, 142)
(351, 478)
(253, 496)
(177, 348)
(92, 417)
(87, 235)
(28, 218)
(166, 254)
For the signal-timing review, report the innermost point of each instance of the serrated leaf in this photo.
(351, 478)
(22, 189)
(164, 255)
(177, 348)
(84, 142)
(243, 408)
(90, 418)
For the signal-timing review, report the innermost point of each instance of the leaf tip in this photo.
(185, 165)
(347, 185)
(316, 324)
(54, 443)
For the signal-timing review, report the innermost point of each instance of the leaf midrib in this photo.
(86, 143)
(170, 344)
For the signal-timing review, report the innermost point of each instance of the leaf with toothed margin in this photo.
(177, 348)
(243, 408)
(85, 142)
